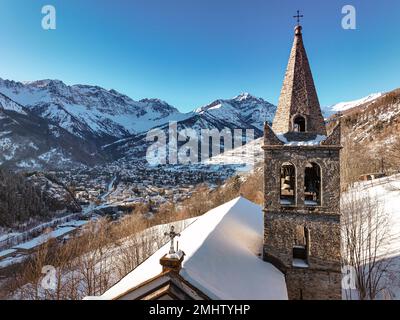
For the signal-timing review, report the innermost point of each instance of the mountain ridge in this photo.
(102, 117)
(46, 123)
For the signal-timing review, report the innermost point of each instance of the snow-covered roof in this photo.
(44, 237)
(309, 142)
(223, 257)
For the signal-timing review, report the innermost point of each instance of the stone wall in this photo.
(328, 160)
(313, 285)
(322, 278)
(335, 136)
(324, 243)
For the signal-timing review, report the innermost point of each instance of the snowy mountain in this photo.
(374, 124)
(106, 120)
(243, 110)
(85, 110)
(47, 123)
(343, 106)
(7, 104)
(29, 141)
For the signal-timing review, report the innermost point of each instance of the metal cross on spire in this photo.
(172, 234)
(298, 16)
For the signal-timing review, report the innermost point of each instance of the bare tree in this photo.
(28, 281)
(394, 154)
(63, 259)
(127, 255)
(365, 239)
(94, 263)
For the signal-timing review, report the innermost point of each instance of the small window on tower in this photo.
(299, 124)
(301, 247)
(312, 185)
(288, 184)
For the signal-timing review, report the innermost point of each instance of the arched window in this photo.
(301, 247)
(299, 124)
(312, 185)
(288, 184)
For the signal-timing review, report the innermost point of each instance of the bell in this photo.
(286, 186)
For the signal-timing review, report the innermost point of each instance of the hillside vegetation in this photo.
(370, 137)
(35, 197)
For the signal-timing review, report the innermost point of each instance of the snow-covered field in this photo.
(243, 158)
(386, 192)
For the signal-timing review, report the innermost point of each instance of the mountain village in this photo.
(263, 221)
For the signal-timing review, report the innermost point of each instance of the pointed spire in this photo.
(298, 107)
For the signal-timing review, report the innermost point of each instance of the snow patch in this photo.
(314, 142)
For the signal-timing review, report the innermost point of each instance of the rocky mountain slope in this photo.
(375, 123)
(29, 141)
(242, 112)
(371, 137)
(104, 123)
(89, 110)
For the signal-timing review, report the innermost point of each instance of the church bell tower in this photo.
(302, 187)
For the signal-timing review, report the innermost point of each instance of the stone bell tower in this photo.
(302, 187)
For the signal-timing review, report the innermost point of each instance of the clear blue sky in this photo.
(190, 52)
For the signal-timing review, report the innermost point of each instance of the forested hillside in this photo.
(31, 197)
(20, 200)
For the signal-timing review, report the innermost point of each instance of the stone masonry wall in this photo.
(328, 160)
(321, 280)
(308, 284)
(324, 246)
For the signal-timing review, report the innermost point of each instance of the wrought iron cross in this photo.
(172, 234)
(298, 16)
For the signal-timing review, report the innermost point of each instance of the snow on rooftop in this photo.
(7, 252)
(223, 249)
(44, 238)
(313, 142)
